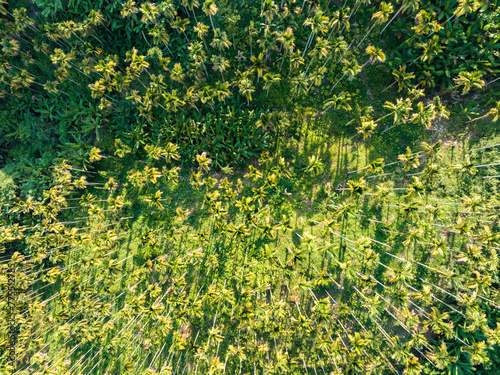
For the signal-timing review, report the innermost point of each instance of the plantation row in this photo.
(389, 279)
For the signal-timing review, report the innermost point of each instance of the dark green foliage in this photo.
(33, 148)
(470, 41)
(229, 137)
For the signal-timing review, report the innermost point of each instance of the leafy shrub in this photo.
(228, 136)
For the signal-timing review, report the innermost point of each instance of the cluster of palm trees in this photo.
(160, 73)
(386, 282)
(115, 275)
(172, 69)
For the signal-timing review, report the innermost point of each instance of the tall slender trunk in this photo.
(392, 19)
(369, 31)
(168, 48)
(310, 42)
(282, 61)
(337, 83)
(307, 44)
(204, 67)
(331, 32)
(212, 22)
(355, 11)
(310, 62)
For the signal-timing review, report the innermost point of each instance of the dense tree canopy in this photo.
(272, 186)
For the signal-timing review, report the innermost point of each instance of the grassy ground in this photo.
(308, 203)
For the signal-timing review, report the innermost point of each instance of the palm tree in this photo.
(317, 76)
(129, 7)
(296, 60)
(191, 5)
(220, 64)
(176, 74)
(338, 102)
(220, 40)
(357, 188)
(210, 9)
(339, 18)
(376, 54)
(271, 79)
(424, 115)
(413, 366)
(495, 112)
(251, 31)
(221, 90)
(403, 78)
(379, 17)
(258, 65)
(197, 53)
(287, 39)
(367, 127)
(269, 9)
(149, 12)
(51, 86)
(410, 160)
(201, 30)
(299, 85)
(180, 24)
(437, 323)
(441, 357)
(151, 174)
(401, 110)
(465, 166)
(427, 79)
(246, 89)
(469, 80)
(319, 24)
(268, 42)
(431, 48)
(155, 200)
(405, 6)
(168, 8)
(160, 35)
(467, 6)
(432, 151)
(350, 68)
(296, 255)
(382, 194)
(95, 154)
(315, 165)
(171, 101)
(320, 50)
(339, 48)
